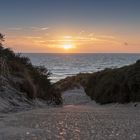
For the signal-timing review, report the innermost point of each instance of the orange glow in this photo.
(68, 46)
(72, 43)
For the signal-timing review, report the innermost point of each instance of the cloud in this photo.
(81, 32)
(106, 37)
(90, 34)
(45, 39)
(44, 28)
(27, 28)
(15, 28)
(39, 28)
(32, 37)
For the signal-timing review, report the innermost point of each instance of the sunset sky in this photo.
(71, 26)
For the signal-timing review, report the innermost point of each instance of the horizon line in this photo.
(80, 53)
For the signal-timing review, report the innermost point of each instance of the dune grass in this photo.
(35, 79)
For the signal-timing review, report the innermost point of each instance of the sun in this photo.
(68, 46)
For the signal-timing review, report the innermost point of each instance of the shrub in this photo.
(115, 85)
(36, 82)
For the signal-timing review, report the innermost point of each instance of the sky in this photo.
(71, 26)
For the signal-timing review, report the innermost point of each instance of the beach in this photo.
(79, 120)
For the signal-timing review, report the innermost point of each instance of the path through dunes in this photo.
(84, 120)
(75, 97)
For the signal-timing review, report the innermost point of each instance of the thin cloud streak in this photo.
(15, 28)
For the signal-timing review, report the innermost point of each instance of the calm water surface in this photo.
(63, 65)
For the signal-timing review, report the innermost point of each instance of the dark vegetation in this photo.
(34, 81)
(71, 82)
(120, 85)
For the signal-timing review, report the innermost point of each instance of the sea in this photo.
(63, 65)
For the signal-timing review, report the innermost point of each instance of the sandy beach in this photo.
(79, 120)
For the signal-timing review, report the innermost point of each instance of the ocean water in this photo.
(63, 65)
